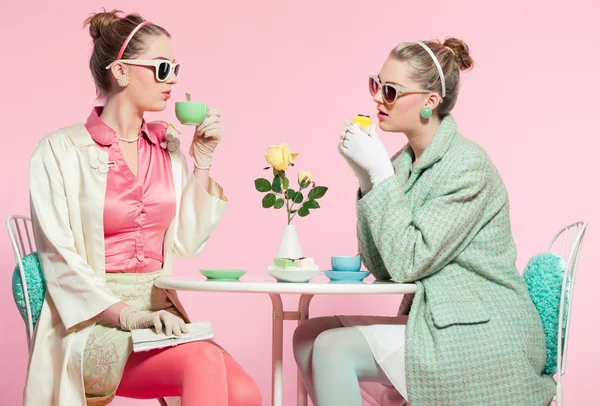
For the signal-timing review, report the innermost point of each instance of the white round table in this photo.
(317, 286)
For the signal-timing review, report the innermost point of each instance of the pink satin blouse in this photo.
(137, 210)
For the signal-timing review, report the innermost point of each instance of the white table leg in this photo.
(277, 355)
(303, 307)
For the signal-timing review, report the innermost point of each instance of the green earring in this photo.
(426, 112)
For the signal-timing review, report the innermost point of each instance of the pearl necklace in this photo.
(128, 140)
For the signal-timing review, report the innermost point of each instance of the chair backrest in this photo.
(21, 237)
(567, 243)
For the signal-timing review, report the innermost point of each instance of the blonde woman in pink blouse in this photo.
(111, 201)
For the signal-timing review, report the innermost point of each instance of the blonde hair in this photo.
(453, 56)
(109, 31)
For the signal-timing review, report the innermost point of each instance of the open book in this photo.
(146, 339)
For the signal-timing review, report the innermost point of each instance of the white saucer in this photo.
(298, 276)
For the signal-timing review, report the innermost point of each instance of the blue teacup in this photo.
(346, 263)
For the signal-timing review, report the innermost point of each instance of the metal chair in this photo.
(20, 234)
(21, 237)
(567, 244)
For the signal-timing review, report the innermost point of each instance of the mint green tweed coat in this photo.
(473, 335)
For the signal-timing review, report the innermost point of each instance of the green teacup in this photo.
(190, 113)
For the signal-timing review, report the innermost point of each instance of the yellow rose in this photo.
(279, 156)
(304, 176)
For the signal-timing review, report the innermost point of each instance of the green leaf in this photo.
(286, 183)
(299, 197)
(317, 192)
(278, 203)
(293, 211)
(303, 212)
(277, 184)
(290, 194)
(262, 185)
(269, 200)
(311, 204)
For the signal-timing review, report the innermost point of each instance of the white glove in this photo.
(206, 138)
(133, 319)
(368, 152)
(364, 180)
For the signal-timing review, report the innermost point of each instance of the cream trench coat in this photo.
(67, 189)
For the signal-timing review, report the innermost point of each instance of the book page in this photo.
(198, 329)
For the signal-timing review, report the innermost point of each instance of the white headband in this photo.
(437, 64)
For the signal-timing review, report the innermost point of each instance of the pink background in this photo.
(285, 72)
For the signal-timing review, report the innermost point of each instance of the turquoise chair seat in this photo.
(544, 278)
(36, 287)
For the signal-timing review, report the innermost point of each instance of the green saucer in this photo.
(222, 274)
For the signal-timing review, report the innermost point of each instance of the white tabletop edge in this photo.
(274, 287)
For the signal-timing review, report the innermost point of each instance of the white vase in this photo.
(289, 247)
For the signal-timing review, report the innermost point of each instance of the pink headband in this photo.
(136, 29)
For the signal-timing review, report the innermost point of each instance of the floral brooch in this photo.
(171, 142)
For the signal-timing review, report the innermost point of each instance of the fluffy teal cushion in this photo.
(544, 275)
(36, 287)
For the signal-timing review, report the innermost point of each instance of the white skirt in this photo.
(386, 338)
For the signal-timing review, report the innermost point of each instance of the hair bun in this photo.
(99, 22)
(461, 52)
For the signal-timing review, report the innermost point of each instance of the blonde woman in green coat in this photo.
(437, 215)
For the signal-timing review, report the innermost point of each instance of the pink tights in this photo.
(199, 372)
